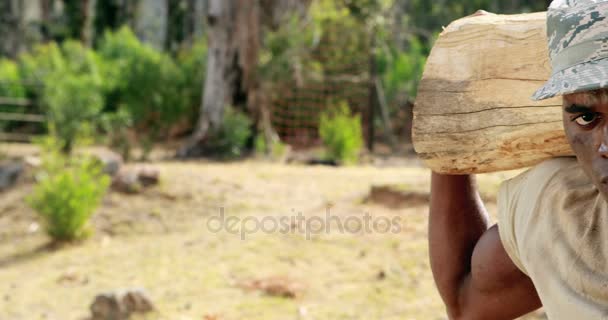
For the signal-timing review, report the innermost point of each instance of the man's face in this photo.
(585, 118)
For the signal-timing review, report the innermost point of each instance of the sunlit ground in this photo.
(160, 241)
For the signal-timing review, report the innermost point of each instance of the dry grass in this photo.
(160, 241)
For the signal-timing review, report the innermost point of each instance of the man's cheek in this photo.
(582, 143)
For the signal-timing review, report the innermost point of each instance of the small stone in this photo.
(148, 176)
(136, 179)
(126, 182)
(9, 174)
(120, 305)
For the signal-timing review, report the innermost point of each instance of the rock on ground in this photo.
(120, 305)
(10, 173)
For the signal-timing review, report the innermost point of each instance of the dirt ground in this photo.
(166, 241)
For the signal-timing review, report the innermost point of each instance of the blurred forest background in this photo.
(146, 72)
(293, 82)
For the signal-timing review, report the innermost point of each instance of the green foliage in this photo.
(68, 191)
(343, 37)
(73, 88)
(341, 133)
(10, 80)
(333, 40)
(230, 140)
(286, 52)
(36, 65)
(401, 70)
(331, 44)
(137, 88)
(146, 83)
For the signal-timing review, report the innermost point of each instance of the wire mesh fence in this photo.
(296, 110)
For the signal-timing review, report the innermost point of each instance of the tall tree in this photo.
(233, 33)
(234, 30)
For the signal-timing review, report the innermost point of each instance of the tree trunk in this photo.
(219, 84)
(234, 39)
(473, 112)
(234, 30)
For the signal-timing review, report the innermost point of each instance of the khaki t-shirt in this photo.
(553, 224)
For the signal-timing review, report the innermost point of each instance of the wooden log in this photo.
(473, 113)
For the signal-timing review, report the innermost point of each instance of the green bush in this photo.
(68, 191)
(41, 61)
(230, 140)
(73, 87)
(147, 82)
(137, 88)
(341, 134)
(401, 71)
(10, 80)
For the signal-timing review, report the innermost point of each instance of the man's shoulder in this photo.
(539, 176)
(555, 164)
(546, 180)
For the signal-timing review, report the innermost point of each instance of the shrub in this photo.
(230, 140)
(73, 102)
(43, 60)
(68, 192)
(401, 71)
(147, 83)
(73, 88)
(10, 80)
(341, 133)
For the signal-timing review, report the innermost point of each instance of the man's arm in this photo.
(474, 275)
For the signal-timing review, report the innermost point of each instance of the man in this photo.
(551, 245)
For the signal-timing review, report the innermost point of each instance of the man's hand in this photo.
(475, 276)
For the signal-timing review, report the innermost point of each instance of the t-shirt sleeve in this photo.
(509, 217)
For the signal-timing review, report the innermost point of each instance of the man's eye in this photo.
(585, 119)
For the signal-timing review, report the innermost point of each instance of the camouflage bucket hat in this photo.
(577, 31)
